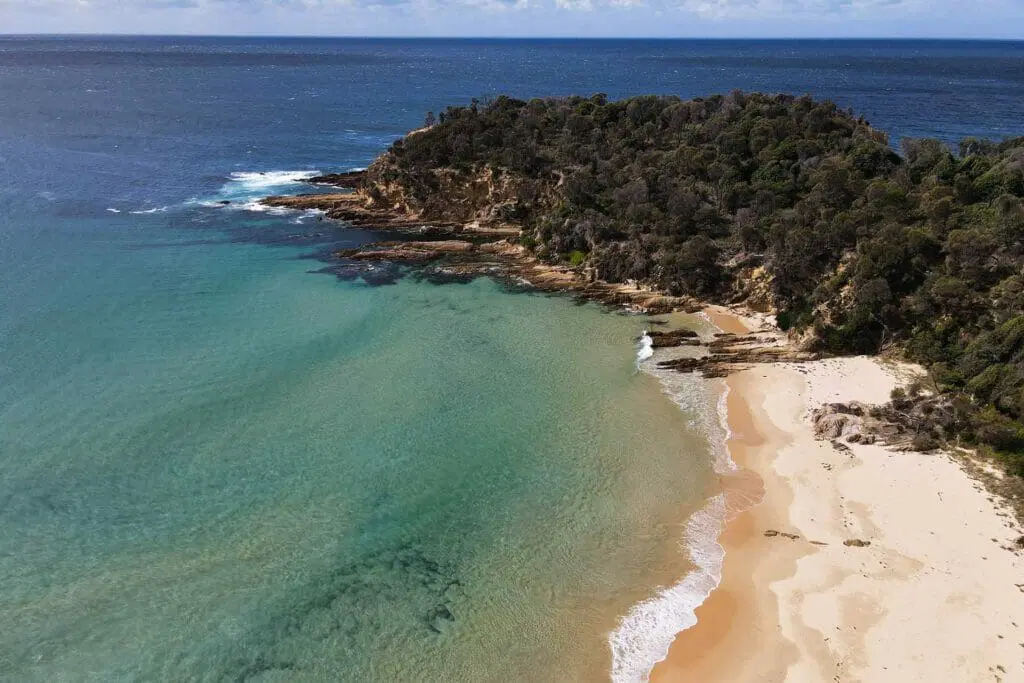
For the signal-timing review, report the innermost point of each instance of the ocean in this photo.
(217, 463)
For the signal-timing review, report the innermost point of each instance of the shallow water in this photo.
(216, 465)
(413, 482)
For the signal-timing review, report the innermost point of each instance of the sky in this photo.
(513, 18)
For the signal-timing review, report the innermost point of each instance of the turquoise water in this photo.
(264, 472)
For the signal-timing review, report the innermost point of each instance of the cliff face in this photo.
(481, 193)
(493, 196)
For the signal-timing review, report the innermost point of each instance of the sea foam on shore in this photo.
(646, 633)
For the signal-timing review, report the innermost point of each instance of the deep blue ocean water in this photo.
(217, 465)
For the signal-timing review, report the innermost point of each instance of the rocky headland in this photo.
(800, 219)
(784, 206)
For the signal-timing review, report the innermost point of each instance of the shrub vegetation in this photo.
(868, 249)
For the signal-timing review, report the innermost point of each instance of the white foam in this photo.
(258, 207)
(723, 459)
(309, 213)
(141, 212)
(252, 204)
(645, 634)
(114, 210)
(260, 180)
(645, 348)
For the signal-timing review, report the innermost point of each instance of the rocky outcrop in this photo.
(661, 340)
(841, 420)
(351, 180)
(408, 251)
(723, 360)
(919, 423)
(475, 212)
(354, 209)
(485, 195)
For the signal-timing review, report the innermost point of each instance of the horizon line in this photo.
(74, 34)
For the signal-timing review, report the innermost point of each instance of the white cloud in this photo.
(664, 18)
(715, 10)
(585, 5)
(775, 9)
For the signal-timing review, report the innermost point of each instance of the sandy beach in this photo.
(931, 588)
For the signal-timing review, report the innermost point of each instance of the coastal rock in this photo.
(672, 338)
(834, 425)
(727, 358)
(836, 420)
(352, 179)
(373, 274)
(733, 340)
(503, 248)
(918, 423)
(407, 251)
(352, 207)
(396, 254)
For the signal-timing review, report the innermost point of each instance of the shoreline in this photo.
(828, 552)
(933, 594)
(454, 249)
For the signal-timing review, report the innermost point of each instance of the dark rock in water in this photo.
(683, 364)
(344, 273)
(441, 618)
(224, 202)
(352, 180)
(660, 340)
(375, 274)
(446, 276)
(408, 251)
(394, 254)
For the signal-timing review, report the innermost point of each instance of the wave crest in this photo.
(261, 180)
(645, 634)
(645, 348)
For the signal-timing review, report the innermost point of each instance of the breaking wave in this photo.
(644, 636)
(254, 181)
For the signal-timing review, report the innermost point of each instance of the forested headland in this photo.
(785, 203)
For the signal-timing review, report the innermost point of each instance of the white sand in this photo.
(933, 598)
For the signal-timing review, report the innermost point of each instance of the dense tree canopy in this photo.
(866, 248)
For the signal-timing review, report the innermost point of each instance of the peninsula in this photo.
(886, 290)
